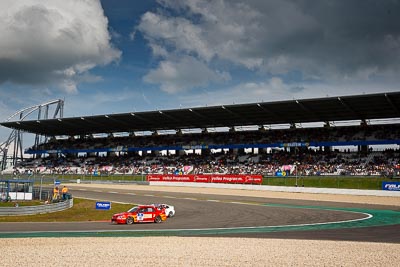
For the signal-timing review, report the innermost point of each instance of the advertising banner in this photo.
(281, 173)
(391, 186)
(103, 205)
(207, 178)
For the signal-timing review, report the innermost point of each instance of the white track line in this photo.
(368, 216)
(209, 229)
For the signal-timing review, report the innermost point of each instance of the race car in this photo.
(140, 214)
(169, 210)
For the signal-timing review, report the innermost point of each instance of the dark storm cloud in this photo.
(321, 39)
(339, 37)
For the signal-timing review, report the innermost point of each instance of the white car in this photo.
(169, 210)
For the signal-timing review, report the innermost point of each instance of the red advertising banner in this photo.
(207, 178)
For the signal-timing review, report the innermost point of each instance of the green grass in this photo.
(372, 183)
(21, 203)
(83, 210)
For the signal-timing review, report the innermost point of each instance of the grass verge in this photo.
(83, 211)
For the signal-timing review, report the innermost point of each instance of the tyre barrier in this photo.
(39, 209)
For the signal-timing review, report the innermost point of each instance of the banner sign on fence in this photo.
(282, 173)
(207, 178)
(391, 186)
(103, 205)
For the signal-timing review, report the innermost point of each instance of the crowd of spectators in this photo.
(306, 162)
(320, 134)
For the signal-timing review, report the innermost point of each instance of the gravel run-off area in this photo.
(203, 251)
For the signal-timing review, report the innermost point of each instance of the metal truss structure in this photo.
(11, 150)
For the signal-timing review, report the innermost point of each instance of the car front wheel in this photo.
(129, 220)
(170, 214)
(158, 219)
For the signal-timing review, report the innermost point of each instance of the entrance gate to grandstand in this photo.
(11, 150)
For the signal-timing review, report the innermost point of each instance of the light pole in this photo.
(40, 189)
(143, 165)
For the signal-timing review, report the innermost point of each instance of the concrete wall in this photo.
(286, 189)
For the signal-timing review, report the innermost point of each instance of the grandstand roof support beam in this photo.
(200, 115)
(233, 113)
(267, 110)
(348, 107)
(306, 109)
(197, 114)
(392, 105)
(59, 110)
(116, 120)
(168, 116)
(363, 122)
(89, 121)
(139, 117)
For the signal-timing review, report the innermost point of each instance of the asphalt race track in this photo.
(239, 216)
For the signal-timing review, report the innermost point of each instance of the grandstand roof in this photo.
(357, 107)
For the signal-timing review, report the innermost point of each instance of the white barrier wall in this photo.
(286, 189)
(20, 196)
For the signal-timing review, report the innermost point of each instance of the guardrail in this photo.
(39, 209)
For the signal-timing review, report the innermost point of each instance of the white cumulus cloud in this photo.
(183, 73)
(52, 41)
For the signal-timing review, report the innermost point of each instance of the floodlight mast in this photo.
(15, 139)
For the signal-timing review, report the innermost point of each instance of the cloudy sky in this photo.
(119, 56)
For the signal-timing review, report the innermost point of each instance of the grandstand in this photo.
(310, 136)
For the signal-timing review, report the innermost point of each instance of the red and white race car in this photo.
(140, 214)
(169, 210)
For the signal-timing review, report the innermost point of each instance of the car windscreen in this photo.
(134, 209)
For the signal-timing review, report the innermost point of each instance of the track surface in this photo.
(202, 211)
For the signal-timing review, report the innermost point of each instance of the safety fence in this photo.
(39, 209)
